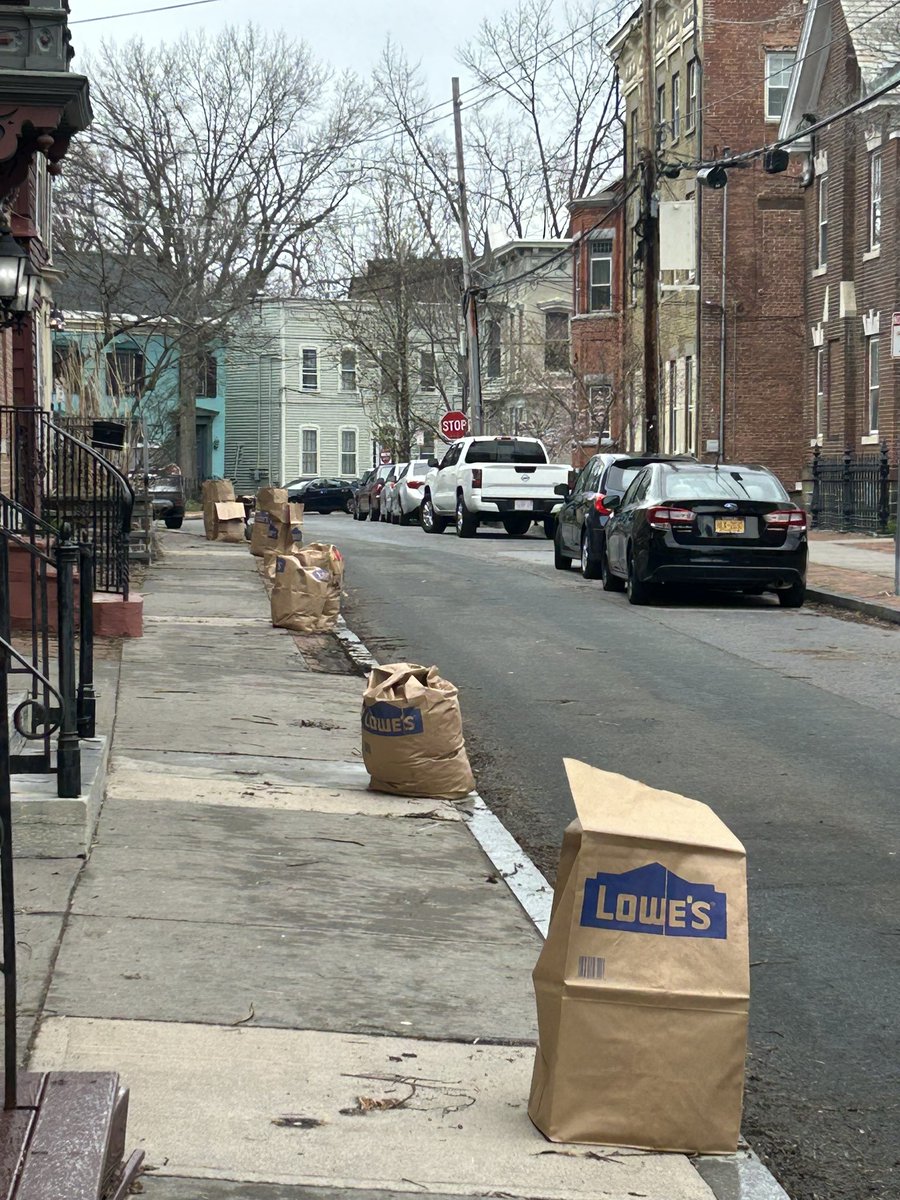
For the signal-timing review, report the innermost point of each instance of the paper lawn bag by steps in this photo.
(412, 734)
(229, 522)
(267, 520)
(290, 535)
(316, 554)
(213, 492)
(306, 597)
(643, 982)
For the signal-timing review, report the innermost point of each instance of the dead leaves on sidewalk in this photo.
(436, 1092)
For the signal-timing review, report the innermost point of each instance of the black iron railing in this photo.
(58, 477)
(852, 493)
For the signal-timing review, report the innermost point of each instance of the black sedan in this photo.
(726, 526)
(322, 495)
(581, 522)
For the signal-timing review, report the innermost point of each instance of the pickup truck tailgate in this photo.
(509, 481)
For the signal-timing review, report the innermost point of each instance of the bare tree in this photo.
(211, 161)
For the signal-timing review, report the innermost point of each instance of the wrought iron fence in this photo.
(58, 477)
(853, 493)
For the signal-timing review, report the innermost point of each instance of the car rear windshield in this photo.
(419, 467)
(618, 477)
(726, 484)
(511, 451)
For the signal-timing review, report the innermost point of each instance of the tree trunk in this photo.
(187, 414)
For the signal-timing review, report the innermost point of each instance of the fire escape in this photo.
(65, 519)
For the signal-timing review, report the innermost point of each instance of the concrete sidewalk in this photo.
(854, 573)
(311, 990)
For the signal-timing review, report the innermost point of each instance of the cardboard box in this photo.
(230, 521)
(642, 986)
(213, 492)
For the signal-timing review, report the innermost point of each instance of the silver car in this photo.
(406, 495)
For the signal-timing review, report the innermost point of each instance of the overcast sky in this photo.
(349, 34)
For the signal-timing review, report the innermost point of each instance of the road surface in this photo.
(786, 722)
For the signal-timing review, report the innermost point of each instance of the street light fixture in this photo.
(19, 281)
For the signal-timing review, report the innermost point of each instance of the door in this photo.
(585, 499)
(568, 516)
(619, 528)
(445, 483)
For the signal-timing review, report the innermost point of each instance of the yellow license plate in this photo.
(729, 524)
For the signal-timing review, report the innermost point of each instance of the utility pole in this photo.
(470, 310)
(649, 231)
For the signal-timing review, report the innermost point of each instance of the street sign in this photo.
(384, 457)
(895, 335)
(454, 425)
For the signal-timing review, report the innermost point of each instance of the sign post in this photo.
(454, 425)
(895, 353)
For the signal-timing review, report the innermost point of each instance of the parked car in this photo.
(368, 498)
(386, 500)
(581, 521)
(728, 526)
(321, 495)
(167, 499)
(491, 479)
(406, 495)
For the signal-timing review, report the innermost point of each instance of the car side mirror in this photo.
(433, 462)
(612, 502)
(562, 489)
(572, 477)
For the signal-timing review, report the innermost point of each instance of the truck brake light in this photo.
(476, 477)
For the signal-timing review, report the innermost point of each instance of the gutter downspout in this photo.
(722, 322)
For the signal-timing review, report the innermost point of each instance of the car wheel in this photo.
(590, 567)
(407, 518)
(373, 514)
(793, 596)
(466, 523)
(174, 522)
(326, 512)
(549, 528)
(429, 519)
(638, 592)
(611, 583)
(561, 561)
(517, 525)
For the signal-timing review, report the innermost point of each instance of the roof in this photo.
(95, 282)
(876, 47)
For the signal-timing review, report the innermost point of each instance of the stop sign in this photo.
(384, 457)
(454, 425)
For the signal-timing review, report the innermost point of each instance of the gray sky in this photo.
(347, 35)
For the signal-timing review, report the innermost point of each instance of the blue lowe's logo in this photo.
(389, 720)
(653, 899)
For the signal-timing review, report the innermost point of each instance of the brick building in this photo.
(730, 341)
(603, 374)
(851, 176)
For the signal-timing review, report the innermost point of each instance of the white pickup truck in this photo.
(509, 480)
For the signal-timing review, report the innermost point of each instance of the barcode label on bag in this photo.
(591, 967)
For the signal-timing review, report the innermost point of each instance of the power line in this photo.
(139, 12)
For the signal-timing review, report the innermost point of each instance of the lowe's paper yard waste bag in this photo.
(412, 735)
(306, 596)
(265, 532)
(642, 986)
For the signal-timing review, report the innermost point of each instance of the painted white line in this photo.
(514, 866)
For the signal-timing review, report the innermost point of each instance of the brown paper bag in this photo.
(307, 598)
(412, 736)
(290, 534)
(642, 986)
(213, 492)
(268, 518)
(229, 522)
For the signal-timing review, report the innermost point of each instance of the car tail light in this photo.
(661, 516)
(413, 483)
(378, 487)
(476, 477)
(786, 518)
(600, 507)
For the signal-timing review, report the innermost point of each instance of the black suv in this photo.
(581, 522)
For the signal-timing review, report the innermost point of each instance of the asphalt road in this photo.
(785, 722)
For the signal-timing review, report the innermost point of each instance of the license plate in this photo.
(729, 524)
(522, 505)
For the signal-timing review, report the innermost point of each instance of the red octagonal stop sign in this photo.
(454, 425)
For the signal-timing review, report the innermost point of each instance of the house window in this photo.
(601, 275)
(348, 453)
(822, 220)
(348, 370)
(689, 404)
(309, 370)
(872, 366)
(124, 373)
(208, 377)
(779, 64)
(692, 94)
(556, 341)
(875, 200)
(309, 451)
(493, 364)
(426, 371)
(676, 107)
(821, 391)
(660, 114)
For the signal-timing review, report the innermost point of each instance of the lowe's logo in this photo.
(389, 720)
(653, 899)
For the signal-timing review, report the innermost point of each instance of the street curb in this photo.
(869, 608)
(728, 1176)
